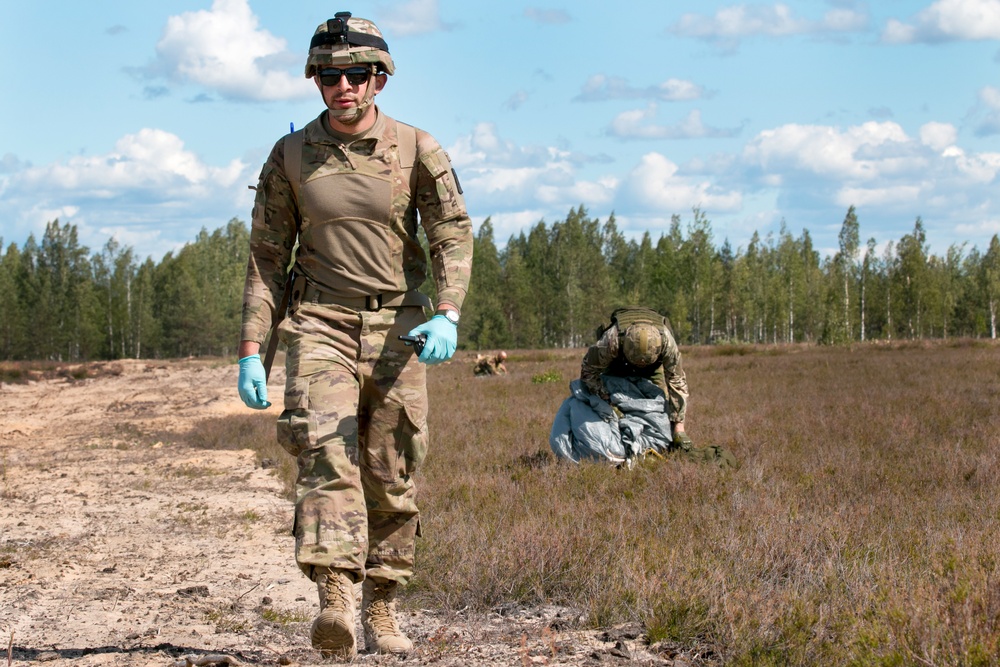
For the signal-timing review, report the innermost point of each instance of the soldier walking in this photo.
(348, 189)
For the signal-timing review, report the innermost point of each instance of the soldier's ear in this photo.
(380, 80)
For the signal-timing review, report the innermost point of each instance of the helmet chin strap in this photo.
(353, 116)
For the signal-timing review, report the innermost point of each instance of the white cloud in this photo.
(416, 17)
(938, 136)
(635, 124)
(655, 183)
(600, 191)
(500, 174)
(888, 196)
(947, 20)
(878, 167)
(148, 191)
(864, 151)
(151, 160)
(225, 50)
(512, 223)
(979, 229)
(599, 88)
(980, 168)
(737, 21)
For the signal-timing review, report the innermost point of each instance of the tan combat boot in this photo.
(378, 618)
(333, 630)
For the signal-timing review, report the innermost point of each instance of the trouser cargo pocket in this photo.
(297, 424)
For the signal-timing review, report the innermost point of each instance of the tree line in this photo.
(550, 286)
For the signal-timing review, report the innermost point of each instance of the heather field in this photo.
(860, 529)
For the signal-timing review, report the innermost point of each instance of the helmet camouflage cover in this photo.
(642, 344)
(343, 41)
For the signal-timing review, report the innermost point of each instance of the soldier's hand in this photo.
(682, 441)
(253, 383)
(442, 339)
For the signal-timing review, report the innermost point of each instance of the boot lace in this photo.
(381, 613)
(339, 592)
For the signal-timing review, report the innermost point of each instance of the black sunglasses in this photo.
(356, 76)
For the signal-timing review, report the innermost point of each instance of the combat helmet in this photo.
(642, 344)
(343, 41)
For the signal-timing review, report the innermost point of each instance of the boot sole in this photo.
(333, 639)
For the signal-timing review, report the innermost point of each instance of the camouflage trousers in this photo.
(355, 418)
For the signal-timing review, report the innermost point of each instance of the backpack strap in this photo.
(623, 317)
(293, 161)
(406, 135)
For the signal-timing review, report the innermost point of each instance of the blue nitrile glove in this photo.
(442, 338)
(253, 383)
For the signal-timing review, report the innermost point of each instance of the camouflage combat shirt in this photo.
(355, 221)
(606, 357)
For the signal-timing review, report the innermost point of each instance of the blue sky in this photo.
(147, 121)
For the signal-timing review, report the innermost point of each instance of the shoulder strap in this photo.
(623, 317)
(407, 137)
(293, 160)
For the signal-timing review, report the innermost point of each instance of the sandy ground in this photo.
(118, 548)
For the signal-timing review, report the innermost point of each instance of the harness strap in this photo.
(293, 161)
(406, 136)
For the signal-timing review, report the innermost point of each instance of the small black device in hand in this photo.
(417, 342)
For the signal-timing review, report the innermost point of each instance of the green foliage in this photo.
(547, 376)
(545, 288)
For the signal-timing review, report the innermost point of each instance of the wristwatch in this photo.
(451, 315)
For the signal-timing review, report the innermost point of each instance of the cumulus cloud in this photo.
(635, 124)
(826, 151)
(599, 88)
(948, 20)
(152, 161)
(730, 24)
(225, 50)
(148, 187)
(656, 184)
(416, 17)
(548, 16)
(497, 173)
(938, 136)
(875, 165)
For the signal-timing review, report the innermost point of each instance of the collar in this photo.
(320, 132)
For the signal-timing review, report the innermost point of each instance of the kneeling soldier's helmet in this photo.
(642, 344)
(344, 41)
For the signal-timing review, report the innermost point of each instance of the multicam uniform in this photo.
(490, 365)
(355, 398)
(606, 357)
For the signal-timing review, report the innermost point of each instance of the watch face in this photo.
(452, 316)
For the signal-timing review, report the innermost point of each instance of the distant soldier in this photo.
(491, 364)
(638, 343)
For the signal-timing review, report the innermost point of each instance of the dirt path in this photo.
(118, 548)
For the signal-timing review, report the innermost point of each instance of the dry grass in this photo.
(254, 431)
(20, 372)
(861, 528)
